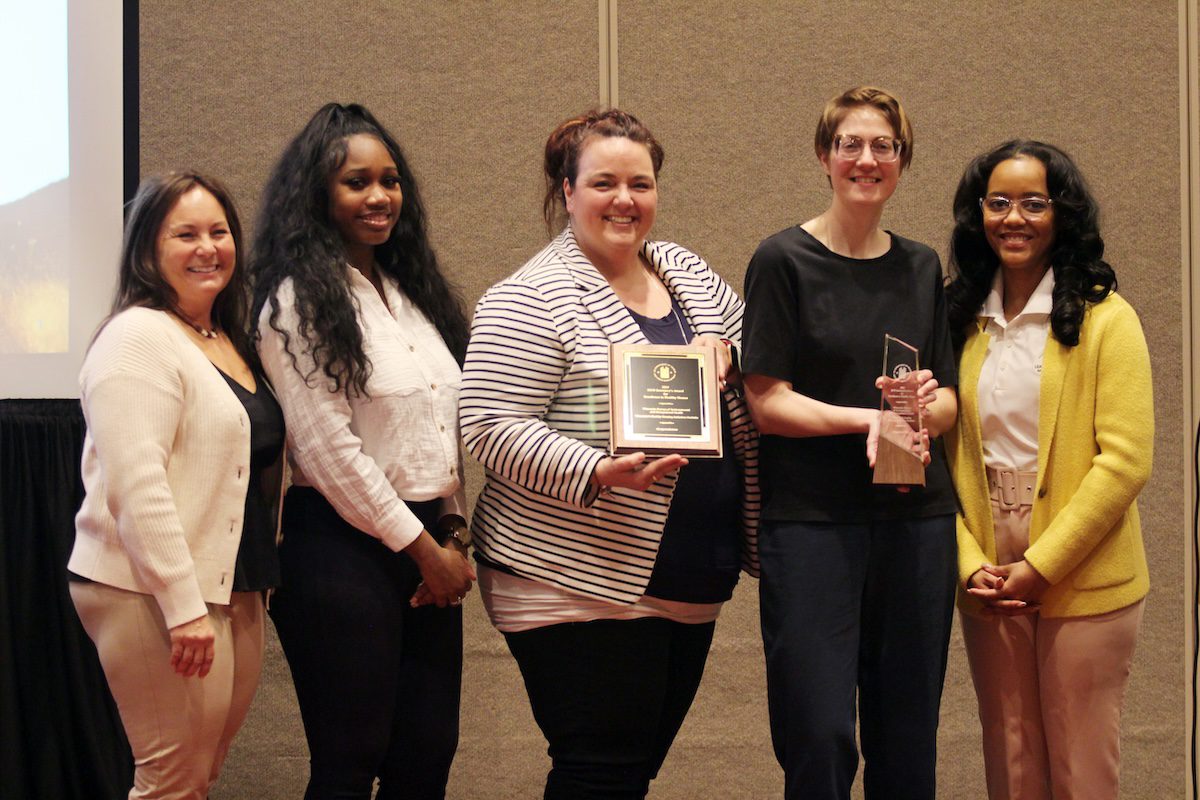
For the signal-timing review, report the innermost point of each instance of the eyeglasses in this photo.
(883, 149)
(1029, 207)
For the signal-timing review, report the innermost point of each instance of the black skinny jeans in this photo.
(610, 695)
(377, 681)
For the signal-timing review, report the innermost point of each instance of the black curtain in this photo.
(60, 736)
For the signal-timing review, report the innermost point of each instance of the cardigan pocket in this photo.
(1110, 564)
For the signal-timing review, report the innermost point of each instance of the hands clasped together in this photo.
(446, 572)
(1008, 589)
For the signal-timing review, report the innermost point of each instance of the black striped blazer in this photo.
(534, 411)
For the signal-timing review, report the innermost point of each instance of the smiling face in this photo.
(614, 200)
(862, 181)
(196, 252)
(1019, 243)
(365, 197)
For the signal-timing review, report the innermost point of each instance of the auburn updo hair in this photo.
(565, 146)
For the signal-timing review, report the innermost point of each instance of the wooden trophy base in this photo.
(898, 465)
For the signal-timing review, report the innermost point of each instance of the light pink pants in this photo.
(1050, 691)
(179, 728)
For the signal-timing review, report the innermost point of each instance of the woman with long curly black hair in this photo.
(1052, 446)
(1081, 275)
(362, 337)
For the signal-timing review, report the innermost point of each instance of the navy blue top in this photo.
(700, 554)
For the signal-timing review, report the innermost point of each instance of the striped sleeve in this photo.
(516, 361)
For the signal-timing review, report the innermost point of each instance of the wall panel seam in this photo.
(607, 21)
(1189, 155)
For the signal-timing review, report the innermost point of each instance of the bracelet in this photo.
(603, 490)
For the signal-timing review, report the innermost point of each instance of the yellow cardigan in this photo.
(1095, 439)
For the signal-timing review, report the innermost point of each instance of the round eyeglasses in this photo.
(998, 205)
(883, 149)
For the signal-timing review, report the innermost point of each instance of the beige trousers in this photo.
(179, 728)
(1050, 691)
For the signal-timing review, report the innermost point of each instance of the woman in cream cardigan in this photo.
(175, 542)
(1052, 447)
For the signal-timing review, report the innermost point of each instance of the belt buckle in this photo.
(1006, 482)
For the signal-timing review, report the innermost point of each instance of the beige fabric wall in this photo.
(471, 88)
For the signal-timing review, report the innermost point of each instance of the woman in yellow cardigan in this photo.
(1052, 446)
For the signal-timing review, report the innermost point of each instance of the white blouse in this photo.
(368, 454)
(1011, 378)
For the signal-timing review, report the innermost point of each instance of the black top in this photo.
(257, 565)
(817, 320)
(699, 556)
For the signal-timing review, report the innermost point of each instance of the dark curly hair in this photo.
(298, 239)
(139, 279)
(1081, 275)
(565, 146)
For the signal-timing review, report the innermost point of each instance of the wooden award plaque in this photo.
(664, 399)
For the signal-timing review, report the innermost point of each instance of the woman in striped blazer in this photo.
(605, 574)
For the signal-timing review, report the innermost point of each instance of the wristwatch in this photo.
(735, 363)
(455, 527)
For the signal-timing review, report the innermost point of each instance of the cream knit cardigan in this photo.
(166, 463)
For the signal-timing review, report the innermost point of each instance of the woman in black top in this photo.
(857, 579)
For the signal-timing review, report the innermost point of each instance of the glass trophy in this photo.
(900, 458)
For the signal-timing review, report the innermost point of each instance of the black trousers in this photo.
(610, 695)
(857, 609)
(377, 681)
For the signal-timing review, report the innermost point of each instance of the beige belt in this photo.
(1011, 488)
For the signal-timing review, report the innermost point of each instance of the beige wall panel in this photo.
(733, 91)
(471, 89)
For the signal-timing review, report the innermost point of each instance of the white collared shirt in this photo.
(1011, 379)
(367, 455)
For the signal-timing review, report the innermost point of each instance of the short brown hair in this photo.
(565, 146)
(872, 97)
